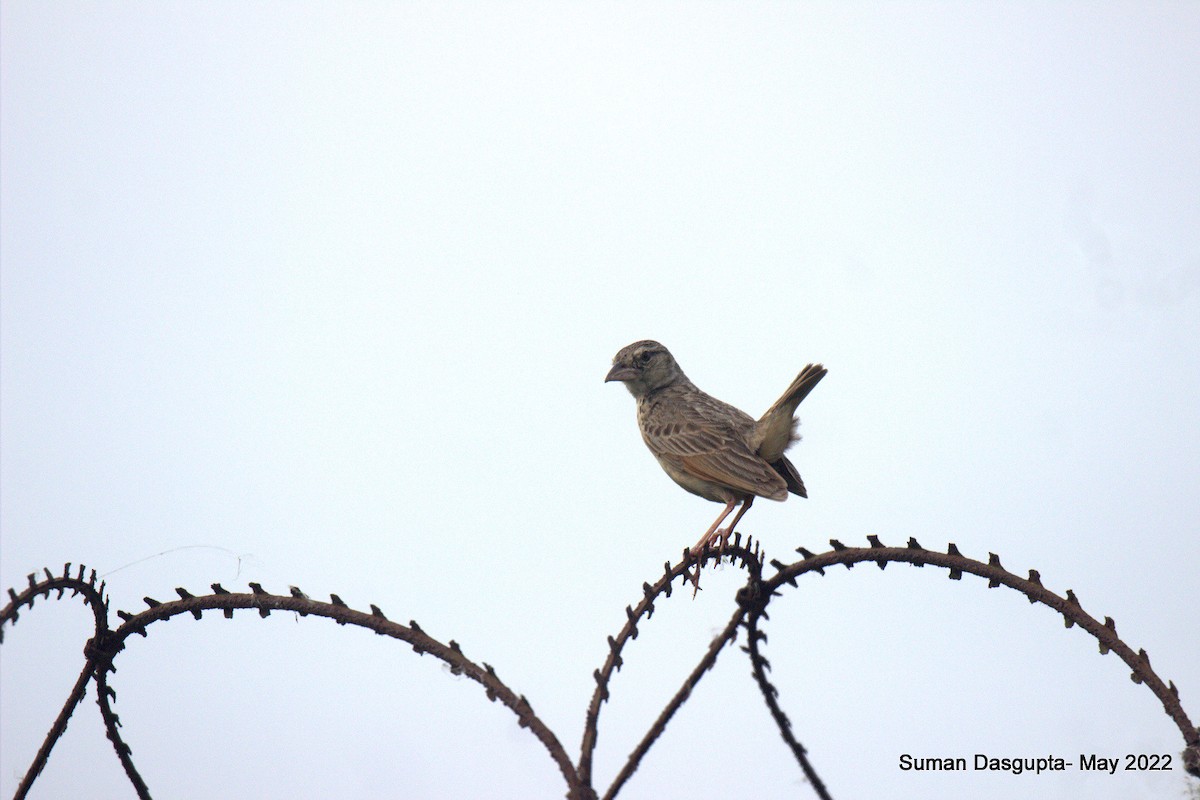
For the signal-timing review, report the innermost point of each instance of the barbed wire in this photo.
(759, 667)
(751, 602)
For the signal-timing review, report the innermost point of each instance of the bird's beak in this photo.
(620, 372)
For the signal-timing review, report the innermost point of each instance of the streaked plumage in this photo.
(709, 447)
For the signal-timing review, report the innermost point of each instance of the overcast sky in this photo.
(324, 295)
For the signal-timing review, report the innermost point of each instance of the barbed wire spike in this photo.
(219, 589)
(994, 561)
(780, 567)
(913, 544)
(418, 649)
(337, 601)
(1073, 600)
(876, 545)
(524, 710)
(1112, 627)
(648, 591)
(184, 594)
(62, 589)
(602, 684)
(295, 592)
(618, 662)
(955, 572)
(140, 630)
(488, 690)
(257, 589)
(456, 669)
(1035, 578)
(806, 554)
(839, 547)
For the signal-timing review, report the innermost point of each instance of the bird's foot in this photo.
(716, 542)
(720, 539)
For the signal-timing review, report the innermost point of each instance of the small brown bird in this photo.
(708, 447)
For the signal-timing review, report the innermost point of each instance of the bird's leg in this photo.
(725, 533)
(699, 546)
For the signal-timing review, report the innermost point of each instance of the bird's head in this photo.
(644, 367)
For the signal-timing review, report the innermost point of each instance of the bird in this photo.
(707, 446)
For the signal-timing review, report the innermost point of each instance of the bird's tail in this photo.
(776, 428)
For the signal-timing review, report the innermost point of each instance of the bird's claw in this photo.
(719, 539)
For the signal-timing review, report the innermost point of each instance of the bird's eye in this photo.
(644, 357)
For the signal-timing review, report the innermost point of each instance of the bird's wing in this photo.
(704, 441)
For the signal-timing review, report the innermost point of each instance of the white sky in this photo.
(334, 287)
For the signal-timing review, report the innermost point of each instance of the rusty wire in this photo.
(759, 667)
(751, 602)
